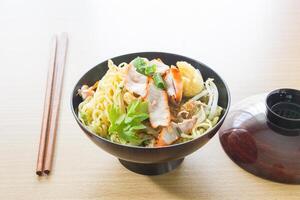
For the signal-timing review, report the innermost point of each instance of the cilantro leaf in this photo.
(126, 125)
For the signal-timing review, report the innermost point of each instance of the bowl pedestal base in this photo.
(151, 169)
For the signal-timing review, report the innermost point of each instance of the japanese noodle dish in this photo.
(148, 103)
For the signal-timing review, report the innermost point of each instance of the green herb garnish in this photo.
(142, 67)
(159, 81)
(126, 125)
(150, 70)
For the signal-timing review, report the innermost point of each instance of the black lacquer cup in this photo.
(151, 161)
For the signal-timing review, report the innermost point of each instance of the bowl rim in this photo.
(140, 147)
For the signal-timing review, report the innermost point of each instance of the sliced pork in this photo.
(159, 111)
(174, 84)
(136, 82)
(171, 133)
(167, 136)
(160, 66)
(187, 125)
(85, 92)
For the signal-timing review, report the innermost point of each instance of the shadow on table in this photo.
(189, 181)
(185, 182)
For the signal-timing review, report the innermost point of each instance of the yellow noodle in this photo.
(93, 110)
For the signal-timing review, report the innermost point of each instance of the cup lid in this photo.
(262, 135)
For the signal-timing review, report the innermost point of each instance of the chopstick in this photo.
(60, 63)
(50, 117)
(47, 105)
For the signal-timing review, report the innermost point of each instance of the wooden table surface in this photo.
(254, 45)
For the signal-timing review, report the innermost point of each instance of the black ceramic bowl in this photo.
(151, 161)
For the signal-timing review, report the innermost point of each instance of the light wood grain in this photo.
(254, 45)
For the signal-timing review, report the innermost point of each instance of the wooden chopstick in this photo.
(47, 141)
(60, 64)
(47, 105)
